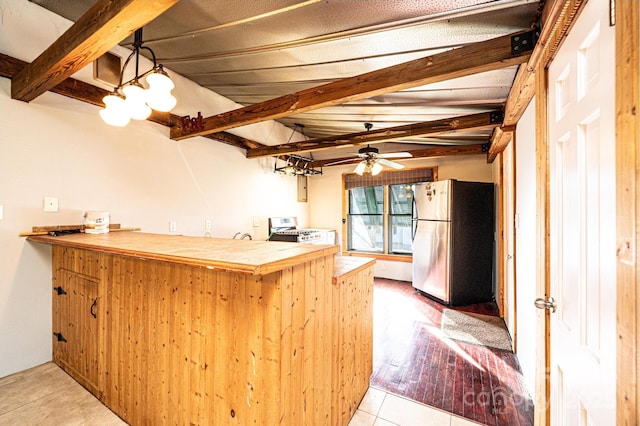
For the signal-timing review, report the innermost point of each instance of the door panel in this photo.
(582, 226)
(509, 295)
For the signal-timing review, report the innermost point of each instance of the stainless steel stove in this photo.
(286, 229)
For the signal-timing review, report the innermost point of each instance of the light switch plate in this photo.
(1, 212)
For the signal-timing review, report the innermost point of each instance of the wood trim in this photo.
(514, 259)
(627, 205)
(542, 414)
(345, 215)
(104, 25)
(470, 59)
(379, 256)
(499, 141)
(500, 297)
(484, 120)
(558, 17)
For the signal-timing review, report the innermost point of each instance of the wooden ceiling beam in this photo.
(103, 26)
(484, 120)
(474, 58)
(558, 17)
(85, 92)
(437, 151)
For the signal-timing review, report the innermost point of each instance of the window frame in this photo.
(385, 255)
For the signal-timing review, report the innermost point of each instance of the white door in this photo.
(508, 183)
(582, 227)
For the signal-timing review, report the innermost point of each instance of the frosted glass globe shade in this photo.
(115, 111)
(160, 80)
(136, 101)
(160, 100)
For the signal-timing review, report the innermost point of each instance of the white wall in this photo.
(525, 157)
(325, 194)
(59, 147)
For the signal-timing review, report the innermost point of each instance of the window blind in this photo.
(353, 180)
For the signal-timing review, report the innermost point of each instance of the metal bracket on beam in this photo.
(496, 117)
(524, 42)
(485, 147)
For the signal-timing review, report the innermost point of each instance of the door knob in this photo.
(549, 303)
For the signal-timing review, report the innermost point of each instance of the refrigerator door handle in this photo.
(414, 219)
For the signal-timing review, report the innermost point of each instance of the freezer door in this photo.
(432, 200)
(431, 255)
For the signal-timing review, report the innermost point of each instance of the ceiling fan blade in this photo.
(395, 155)
(346, 160)
(392, 164)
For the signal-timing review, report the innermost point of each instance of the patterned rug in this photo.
(483, 330)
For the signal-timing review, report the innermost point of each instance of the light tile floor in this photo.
(35, 396)
(380, 408)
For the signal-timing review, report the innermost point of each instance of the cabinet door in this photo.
(75, 326)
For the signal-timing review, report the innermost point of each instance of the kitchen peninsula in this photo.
(185, 330)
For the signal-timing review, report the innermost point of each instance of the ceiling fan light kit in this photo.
(372, 160)
(130, 99)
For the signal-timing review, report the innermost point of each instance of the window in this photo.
(378, 211)
(376, 208)
(400, 211)
(366, 220)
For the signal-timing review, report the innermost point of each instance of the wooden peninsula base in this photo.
(183, 330)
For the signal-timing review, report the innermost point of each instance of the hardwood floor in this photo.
(414, 360)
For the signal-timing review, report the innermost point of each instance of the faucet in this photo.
(246, 234)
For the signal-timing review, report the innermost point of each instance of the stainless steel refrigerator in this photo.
(453, 241)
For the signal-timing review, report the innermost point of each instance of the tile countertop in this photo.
(243, 256)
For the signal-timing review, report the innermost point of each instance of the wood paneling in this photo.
(353, 357)
(75, 302)
(180, 344)
(627, 188)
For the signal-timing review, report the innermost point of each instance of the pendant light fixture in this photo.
(130, 99)
(296, 164)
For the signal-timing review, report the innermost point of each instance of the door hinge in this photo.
(60, 337)
(59, 290)
(612, 13)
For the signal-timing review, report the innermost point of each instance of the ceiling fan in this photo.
(372, 160)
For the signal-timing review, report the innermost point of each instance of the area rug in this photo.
(484, 330)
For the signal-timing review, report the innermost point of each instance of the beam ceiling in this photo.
(104, 25)
(485, 120)
(470, 59)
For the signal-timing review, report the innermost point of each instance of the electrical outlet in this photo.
(256, 222)
(50, 204)
(172, 226)
(207, 225)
